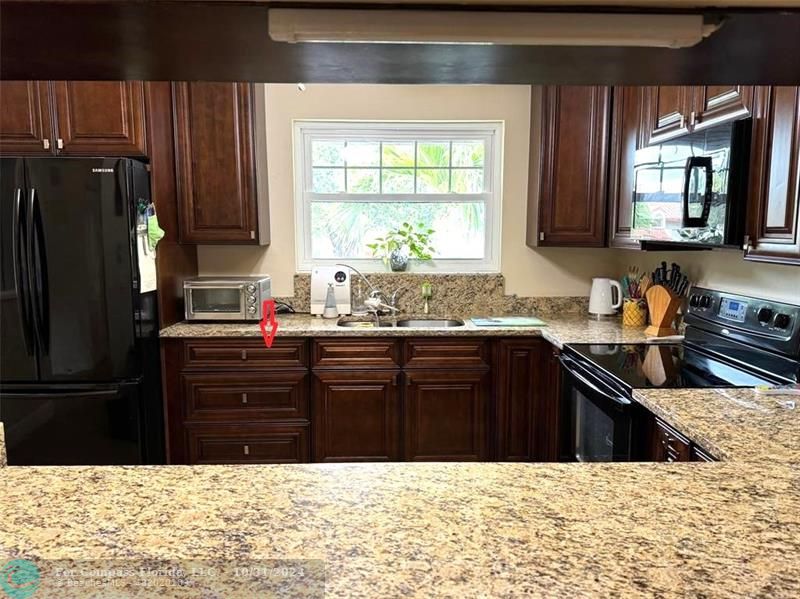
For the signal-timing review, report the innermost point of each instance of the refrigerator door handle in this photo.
(37, 273)
(21, 268)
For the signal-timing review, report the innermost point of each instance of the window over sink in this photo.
(356, 180)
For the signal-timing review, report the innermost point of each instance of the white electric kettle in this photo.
(602, 301)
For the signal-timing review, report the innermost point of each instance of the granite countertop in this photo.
(385, 530)
(732, 424)
(559, 330)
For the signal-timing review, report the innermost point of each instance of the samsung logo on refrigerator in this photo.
(102, 170)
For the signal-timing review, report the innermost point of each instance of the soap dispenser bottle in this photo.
(330, 310)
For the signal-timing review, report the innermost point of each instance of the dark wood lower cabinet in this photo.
(446, 415)
(349, 400)
(356, 416)
(668, 445)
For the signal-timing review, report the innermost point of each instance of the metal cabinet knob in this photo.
(46, 144)
(244, 354)
(246, 450)
(60, 144)
(244, 397)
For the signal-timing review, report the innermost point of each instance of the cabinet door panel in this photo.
(356, 416)
(521, 387)
(445, 415)
(100, 118)
(715, 104)
(572, 190)
(668, 111)
(25, 125)
(626, 137)
(215, 162)
(247, 443)
(774, 210)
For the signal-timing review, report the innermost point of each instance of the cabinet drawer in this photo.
(355, 353)
(242, 444)
(445, 353)
(245, 353)
(246, 396)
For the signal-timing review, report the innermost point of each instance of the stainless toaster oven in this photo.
(225, 298)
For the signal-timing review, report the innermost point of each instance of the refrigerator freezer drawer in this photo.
(79, 426)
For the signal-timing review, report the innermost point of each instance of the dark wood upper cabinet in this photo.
(573, 164)
(25, 123)
(73, 118)
(215, 155)
(356, 416)
(668, 108)
(677, 110)
(773, 219)
(446, 415)
(100, 118)
(714, 104)
(521, 386)
(627, 136)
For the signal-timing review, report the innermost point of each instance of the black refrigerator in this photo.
(79, 354)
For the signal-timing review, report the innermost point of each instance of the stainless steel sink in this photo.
(430, 323)
(362, 324)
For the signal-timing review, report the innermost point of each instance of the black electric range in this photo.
(730, 341)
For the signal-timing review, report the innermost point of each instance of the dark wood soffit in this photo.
(230, 42)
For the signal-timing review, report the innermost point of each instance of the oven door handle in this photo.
(573, 368)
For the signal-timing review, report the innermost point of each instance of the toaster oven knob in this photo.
(251, 299)
(251, 288)
(251, 309)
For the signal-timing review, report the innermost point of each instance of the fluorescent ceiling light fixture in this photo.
(480, 27)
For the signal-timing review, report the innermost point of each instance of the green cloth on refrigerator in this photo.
(154, 232)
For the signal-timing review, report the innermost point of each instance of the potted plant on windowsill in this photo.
(404, 243)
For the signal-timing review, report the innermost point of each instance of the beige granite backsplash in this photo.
(452, 294)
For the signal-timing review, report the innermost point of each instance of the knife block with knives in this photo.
(662, 304)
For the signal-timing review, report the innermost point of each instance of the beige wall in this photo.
(527, 271)
(726, 270)
(541, 272)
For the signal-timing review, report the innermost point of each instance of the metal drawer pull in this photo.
(244, 354)
(246, 450)
(244, 397)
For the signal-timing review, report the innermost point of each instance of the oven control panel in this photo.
(729, 313)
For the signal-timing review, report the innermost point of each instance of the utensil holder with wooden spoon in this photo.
(662, 304)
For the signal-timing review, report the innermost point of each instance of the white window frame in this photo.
(489, 131)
